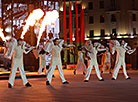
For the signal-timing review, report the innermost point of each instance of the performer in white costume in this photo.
(49, 43)
(17, 62)
(120, 60)
(106, 60)
(93, 60)
(56, 61)
(80, 63)
(48, 46)
(42, 63)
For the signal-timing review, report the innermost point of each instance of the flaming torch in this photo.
(2, 35)
(49, 19)
(31, 20)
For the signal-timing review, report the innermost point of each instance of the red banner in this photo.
(82, 27)
(76, 19)
(70, 24)
(64, 21)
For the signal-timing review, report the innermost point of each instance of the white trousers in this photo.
(117, 67)
(17, 63)
(89, 69)
(51, 71)
(40, 68)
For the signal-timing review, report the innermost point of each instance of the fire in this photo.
(31, 20)
(2, 35)
(49, 19)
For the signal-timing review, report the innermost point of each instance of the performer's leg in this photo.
(124, 70)
(88, 73)
(104, 67)
(61, 73)
(50, 72)
(12, 75)
(40, 69)
(116, 70)
(97, 71)
(45, 68)
(23, 76)
(110, 70)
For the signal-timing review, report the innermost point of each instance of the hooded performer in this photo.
(93, 50)
(17, 62)
(120, 59)
(10, 45)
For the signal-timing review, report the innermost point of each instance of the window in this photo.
(113, 18)
(78, 22)
(91, 20)
(133, 4)
(134, 30)
(101, 4)
(90, 5)
(91, 33)
(113, 4)
(67, 22)
(79, 7)
(133, 17)
(102, 32)
(102, 19)
(114, 32)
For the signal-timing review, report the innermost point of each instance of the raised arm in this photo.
(28, 50)
(48, 46)
(131, 51)
(61, 42)
(99, 48)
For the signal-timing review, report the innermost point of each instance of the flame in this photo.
(31, 20)
(49, 19)
(2, 35)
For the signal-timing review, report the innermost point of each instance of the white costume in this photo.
(56, 61)
(80, 64)
(17, 62)
(120, 60)
(10, 45)
(106, 60)
(93, 61)
(42, 63)
(48, 45)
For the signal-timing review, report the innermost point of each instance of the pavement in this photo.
(120, 90)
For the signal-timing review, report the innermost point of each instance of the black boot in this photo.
(53, 76)
(47, 83)
(85, 80)
(128, 78)
(101, 80)
(113, 78)
(74, 72)
(28, 85)
(65, 82)
(9, 85)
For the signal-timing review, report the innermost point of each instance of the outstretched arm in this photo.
(131, 51)
(100, 49)
(29, 49)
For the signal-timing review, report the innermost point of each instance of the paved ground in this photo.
(120, 90)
